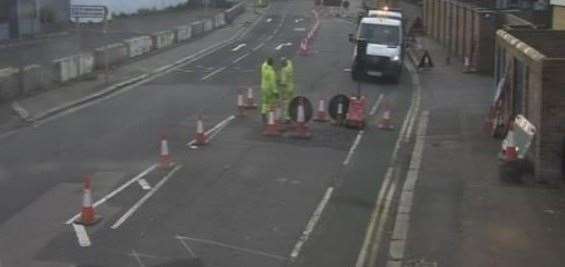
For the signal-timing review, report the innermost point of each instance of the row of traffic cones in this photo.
(88, 216)
(275, 124)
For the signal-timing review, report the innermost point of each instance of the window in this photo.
(380, 34)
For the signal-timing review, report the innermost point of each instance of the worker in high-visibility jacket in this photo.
(269, 91)
(288, 91)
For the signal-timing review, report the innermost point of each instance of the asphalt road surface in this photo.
(242, 200)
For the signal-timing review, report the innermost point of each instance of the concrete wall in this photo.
(73, 67)
(163, 39)
(139, 46)
(115, 54)
(183, 33)
(208, 25)
(197, 28)
(219, 20)
(9, 84)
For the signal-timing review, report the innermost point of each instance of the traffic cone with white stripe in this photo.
(304, 49)
(302, 131)
(166, 161)
(88, 215)
(340, 115)
(251, 104)
(201, 138)
(322, 115)
(271, 129)
(279, 118)
(386, 121)
(511, 151)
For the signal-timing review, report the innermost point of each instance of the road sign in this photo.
(88, 13)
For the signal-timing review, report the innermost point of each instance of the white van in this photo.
(380, 45)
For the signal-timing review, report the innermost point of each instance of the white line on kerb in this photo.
(82, 235)
(213, 73)
(140, 202)
(353, 147)
(240, 46)
(376, 105)
(237, 248)
(117, 190)
(311, 224)
(211, 133)
(241, 57)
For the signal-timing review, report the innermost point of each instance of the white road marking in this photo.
(186, 246)
(240, 46)
(241, 249)
(402, 222)
(379, 215)
(353, 147)
(117, 190)
(139, 203)
(311, 224)
(298, 20)
(213, 73)
(144, 184)
(269, 20)
(258, 47)
(137, 258)
(302, 29)
(82, 235)
(241, 57)
(280, 46)
(376, 106)
(414, 109)
(215, 130)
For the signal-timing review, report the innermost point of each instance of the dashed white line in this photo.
(82, 235)
(301, 29)
(241, 57)
(353, 147)
(211, 133)
(311, 224)
(117, 190)
(280, 46)
(240, 46)
(139, 203)
(237, 248)
(213, 73)
(258, 47)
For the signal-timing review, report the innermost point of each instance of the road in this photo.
(242, 200)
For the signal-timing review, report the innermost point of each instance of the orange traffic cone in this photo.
(302, 130)
(200, 137)
(271, 129)
(166, 160)
(87, 215)
(251, 104)
(240, 105)
(511, 151)
(303, 48)
(386, 121)
(322, 115)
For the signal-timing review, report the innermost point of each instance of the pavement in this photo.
(242, 200)
(89, 37)
(463, 213)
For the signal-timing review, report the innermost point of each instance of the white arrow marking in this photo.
(279, 47)
(240, 46)
(144, 184)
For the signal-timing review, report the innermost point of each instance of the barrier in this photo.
(72, 67)
(233, 12)
(220, 20)
(115, 54)
(36, 78)
(139, 46)
(9, 83)
(197, 28)
(183, 33)
(208, 25)
(163, 39)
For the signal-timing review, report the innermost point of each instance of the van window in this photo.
(380, 34)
